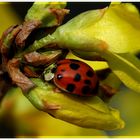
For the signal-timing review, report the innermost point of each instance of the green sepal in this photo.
(42, 11)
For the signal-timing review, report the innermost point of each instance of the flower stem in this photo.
(47, 40)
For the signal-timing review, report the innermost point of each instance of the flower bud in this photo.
(85, 112)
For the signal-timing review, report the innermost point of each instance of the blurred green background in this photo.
(18, 118)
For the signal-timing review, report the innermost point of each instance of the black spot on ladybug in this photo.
(77, 77)
(74, 66)
(95, 90)
(70, 87)
(89, 73)
(85, 89)
(63, 70)
(59, 76)
(88, 82)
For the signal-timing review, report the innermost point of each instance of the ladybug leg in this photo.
(102, 74)
(56, 89)
(107, 90)
(51, 106)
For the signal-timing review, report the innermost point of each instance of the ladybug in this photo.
(75, 77)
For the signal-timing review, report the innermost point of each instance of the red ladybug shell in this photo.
(76, 77)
